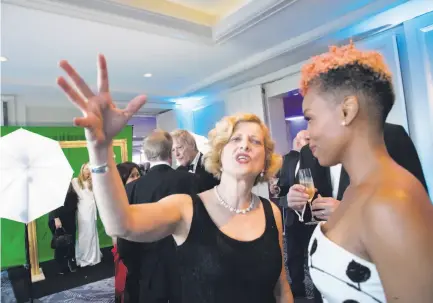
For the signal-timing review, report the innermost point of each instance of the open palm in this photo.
(101, 118)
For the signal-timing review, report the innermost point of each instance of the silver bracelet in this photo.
(101, 169)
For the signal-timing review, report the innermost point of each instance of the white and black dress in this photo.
(341, 276)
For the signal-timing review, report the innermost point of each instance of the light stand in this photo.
(29, 269)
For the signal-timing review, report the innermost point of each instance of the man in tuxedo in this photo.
(331, 183)
(152, 270)
(288, 171)
(191, 160)
(294, 230)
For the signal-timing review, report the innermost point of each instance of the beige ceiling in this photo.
(217, 8)
(204, 12)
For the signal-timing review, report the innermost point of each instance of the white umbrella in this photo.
(34, 176)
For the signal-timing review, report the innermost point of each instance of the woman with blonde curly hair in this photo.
(377, 246)
(87, 251)
(228, 240)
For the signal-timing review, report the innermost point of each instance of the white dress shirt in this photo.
(194, 163)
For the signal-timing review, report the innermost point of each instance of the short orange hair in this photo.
(339, 57)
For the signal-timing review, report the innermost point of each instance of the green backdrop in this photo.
(12, 233)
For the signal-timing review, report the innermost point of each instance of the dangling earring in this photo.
(262, 174)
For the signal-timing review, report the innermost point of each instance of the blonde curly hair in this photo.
(221, 134)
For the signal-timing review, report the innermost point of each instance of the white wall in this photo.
(419, 89)
(246, 100)
(167, 121)
(277, 124)
(206, 117)
(386, 44)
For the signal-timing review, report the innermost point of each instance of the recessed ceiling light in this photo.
(3, 59)
(148, 75)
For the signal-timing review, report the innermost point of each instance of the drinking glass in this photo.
(306, 179)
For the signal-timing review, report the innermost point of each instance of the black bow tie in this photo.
(190, 167)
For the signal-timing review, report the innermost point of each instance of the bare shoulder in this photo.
(397, 206)
(397, 223)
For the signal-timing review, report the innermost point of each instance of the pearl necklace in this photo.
(231, 208)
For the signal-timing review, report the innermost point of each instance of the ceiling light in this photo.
(3, 59)
(147, 75)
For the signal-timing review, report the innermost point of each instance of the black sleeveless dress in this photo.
(215, 268)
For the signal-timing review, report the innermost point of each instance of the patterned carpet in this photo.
(100, 291)
(7, 293)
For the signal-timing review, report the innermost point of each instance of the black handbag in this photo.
(61, 239)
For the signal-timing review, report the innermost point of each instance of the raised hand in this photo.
(296, 197)
(101, 118)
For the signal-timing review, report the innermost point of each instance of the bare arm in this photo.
(142, 222)
(399, 239)
(282, 291)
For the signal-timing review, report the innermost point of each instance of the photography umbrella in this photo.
(34, 179)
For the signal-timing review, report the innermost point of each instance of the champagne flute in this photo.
(306, 179)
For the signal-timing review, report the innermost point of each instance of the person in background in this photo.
(152, 269)
(64, 219)
(290, 165)
(296, 233)
(87, 249)
(360, 253)
(129, 172)
(190, 159)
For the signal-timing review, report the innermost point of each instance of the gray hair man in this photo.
(191, 159)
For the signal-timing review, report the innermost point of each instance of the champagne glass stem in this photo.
(311, 210)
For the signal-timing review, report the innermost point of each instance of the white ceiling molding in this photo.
(112, 13)
(285, 47)
(246, 17)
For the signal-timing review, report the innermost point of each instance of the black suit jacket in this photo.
(399, 145)
(154, 264)
(401, 148)
(286, 175)
(205, 179)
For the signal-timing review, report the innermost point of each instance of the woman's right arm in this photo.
(145, 222)
(102, 121)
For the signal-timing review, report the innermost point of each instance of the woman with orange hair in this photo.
(377, 246)
(229, 241)
(87, 249)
